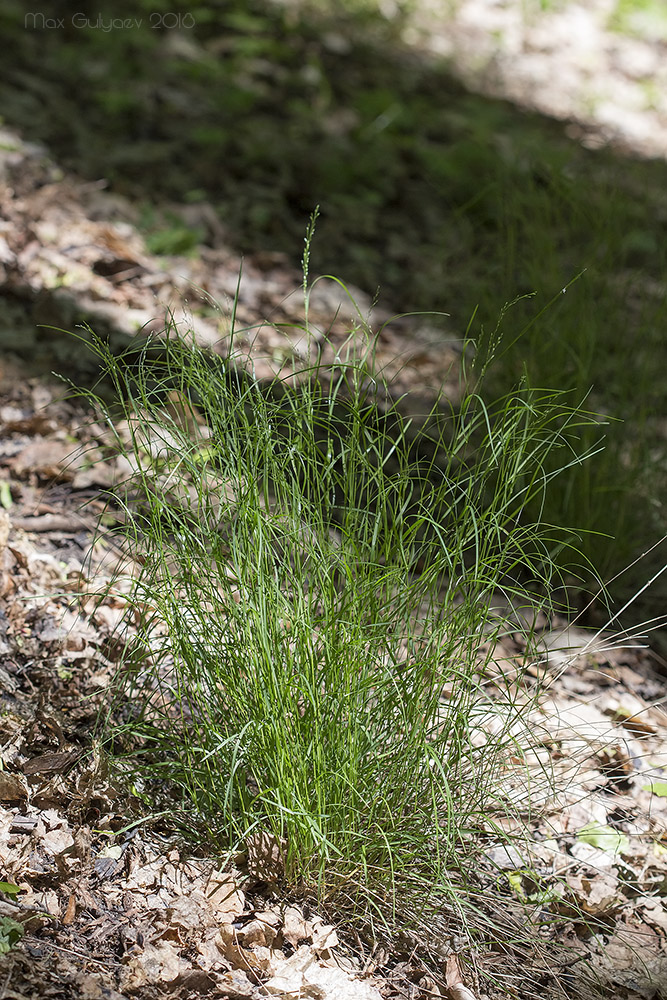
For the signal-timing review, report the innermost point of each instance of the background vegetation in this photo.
(445, 199)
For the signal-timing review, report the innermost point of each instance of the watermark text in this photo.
(39, 21)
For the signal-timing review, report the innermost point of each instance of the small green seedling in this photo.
(11, 933)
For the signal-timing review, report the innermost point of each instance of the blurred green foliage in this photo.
(640, 17)
(11, 933)
(445, 199)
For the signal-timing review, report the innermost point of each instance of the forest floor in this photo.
(111, 902)
(599, 65)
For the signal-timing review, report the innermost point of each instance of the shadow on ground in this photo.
(444, 199)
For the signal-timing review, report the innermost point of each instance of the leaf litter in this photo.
(114, 909)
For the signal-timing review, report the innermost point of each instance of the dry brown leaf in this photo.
(461, 992)
(58, 841)
(324, 936)
(145, 876)
(70, 912)
(302, 975)
(91, 989)
(50, 458)
(13, 787)
(223, 896)
(654, 912)
(258, 932)
(158, 963)
(295, 927)
(456, 988)
(236, 986)
(190, 913)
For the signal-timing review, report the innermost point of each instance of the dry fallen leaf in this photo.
(13, 787)
(295, 927)
(236, 986)
(50, 458)
(57, 841)
(189, 913)
(461, 992)
(302, 975)
(223, 896)
(70, 912)
(654, 911)
(455, 985)
(261, 931)
(158, 963)
(324, 936)
(256, 958)
(91, 989)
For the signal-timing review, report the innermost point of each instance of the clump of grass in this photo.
(315, 607)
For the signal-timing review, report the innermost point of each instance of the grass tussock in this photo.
(317, 604)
